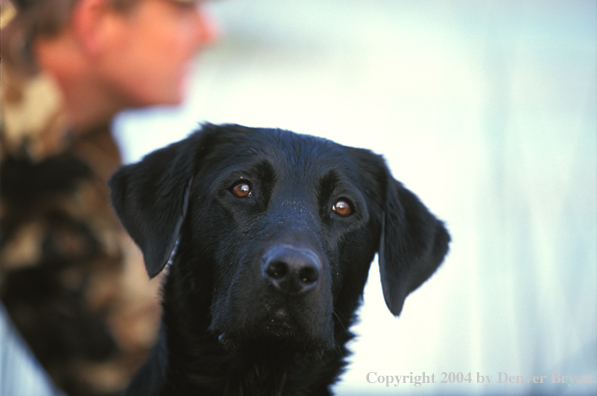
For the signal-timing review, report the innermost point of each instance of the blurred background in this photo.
(487, 110)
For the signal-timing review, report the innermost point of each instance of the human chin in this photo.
(179, 89)
(169, 92)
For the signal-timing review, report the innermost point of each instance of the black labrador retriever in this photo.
(270, 235)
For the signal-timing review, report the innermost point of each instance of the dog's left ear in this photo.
(413, 244)
(151, 196)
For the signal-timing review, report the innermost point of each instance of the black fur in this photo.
(263, 288)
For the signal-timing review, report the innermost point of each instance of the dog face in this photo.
(276, 230)
(292, 222)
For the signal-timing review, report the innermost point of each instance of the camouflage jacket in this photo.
(70, 278)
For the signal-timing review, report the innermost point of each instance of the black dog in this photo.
(270, 235)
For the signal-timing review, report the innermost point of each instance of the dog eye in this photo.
(241, 189)
(342, 208)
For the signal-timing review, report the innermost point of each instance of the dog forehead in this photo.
(290, 156)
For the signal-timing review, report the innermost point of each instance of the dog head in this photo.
(277, 230)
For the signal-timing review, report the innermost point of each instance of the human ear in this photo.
(94, 23)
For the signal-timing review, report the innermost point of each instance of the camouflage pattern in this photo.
(70, 278)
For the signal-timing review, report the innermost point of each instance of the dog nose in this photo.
(291, 270)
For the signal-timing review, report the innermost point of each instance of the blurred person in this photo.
(67, 269)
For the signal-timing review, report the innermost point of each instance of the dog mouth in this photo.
(275, 328)
(278, 324)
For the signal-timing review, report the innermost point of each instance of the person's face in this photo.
(155, 42)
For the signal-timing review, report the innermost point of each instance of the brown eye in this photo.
(342, 208)
(241, 190)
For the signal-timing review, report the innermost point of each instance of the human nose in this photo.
(207, 30)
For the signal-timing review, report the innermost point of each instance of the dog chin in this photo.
(276, 336)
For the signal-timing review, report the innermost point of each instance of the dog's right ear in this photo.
(151, 197)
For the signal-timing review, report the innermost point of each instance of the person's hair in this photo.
(36, 18)
(43, 17)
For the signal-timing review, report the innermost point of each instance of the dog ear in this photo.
(151, 197)
(413, 244)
